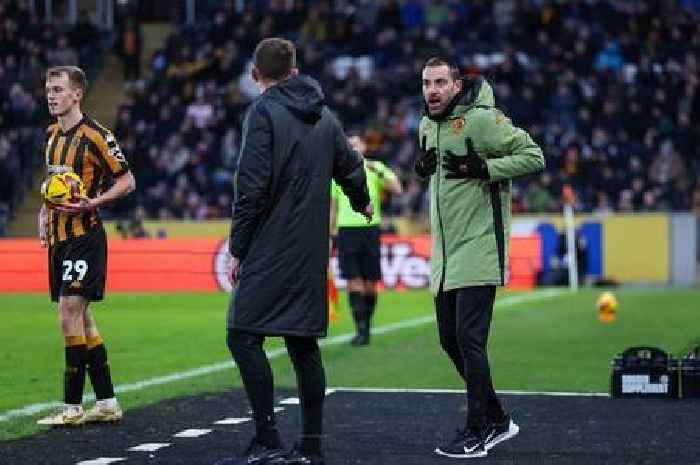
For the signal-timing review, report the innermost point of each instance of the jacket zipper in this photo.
(437, 206)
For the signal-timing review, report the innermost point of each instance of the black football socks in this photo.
(98, 370)
(74, 377)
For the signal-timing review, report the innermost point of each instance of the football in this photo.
(607, 307)
(63, 188)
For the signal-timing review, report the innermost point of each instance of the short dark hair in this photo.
(274, 58)
(76, 76)
(436, 61)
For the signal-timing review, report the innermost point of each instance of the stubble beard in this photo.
(441, 108)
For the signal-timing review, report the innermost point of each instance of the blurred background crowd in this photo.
(608, 88)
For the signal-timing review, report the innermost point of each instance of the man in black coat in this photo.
(292, 146)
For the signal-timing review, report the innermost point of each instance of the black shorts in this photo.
(79, 266)
(359, 253)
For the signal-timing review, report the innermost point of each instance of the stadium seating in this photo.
(608, 88)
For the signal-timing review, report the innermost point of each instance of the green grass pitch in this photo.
(552, 343)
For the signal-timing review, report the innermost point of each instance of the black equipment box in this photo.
(644, 372)
(690, 374)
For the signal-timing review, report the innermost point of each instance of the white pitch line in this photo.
(290, 401)
(553, 393)
(192, 433)
(462, 391)
(232, 421)
(30, 410)
(102, 461)
(149, 447)
(505, 302)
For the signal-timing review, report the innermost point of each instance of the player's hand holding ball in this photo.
(65, 192)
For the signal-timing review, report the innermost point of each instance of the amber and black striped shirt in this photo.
(91, 151)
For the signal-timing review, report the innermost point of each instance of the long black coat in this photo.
(291, 148)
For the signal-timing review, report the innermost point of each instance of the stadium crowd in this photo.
(609, 88)
(27, 47)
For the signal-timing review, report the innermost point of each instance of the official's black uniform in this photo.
(292, 147)
(359, 253)
(77, 242)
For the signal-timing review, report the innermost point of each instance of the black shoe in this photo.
(255, 454)
(466, 444)
(359, 340)
(296, 457)
(501, 431)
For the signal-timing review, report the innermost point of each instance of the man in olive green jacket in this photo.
(470, 153)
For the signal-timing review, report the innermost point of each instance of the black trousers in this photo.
(247, 350)
(464, 319)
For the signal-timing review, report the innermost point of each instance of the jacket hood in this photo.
(301, 95)
(475, 91)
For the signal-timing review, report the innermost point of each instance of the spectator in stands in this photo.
(133, 227)
(315, 28)
(63, 54)
(85, 38)
(200, 111)
(129, 48)
(4, 218)
(9, 166)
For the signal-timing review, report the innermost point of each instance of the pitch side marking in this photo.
(101, 461)
(232, 421)
(505, 302)
(461, 391)
(149, 447)
(192, 433)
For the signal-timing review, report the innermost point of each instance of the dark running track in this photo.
(374, 428)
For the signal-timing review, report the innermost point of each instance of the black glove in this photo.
(469, 165)
(426, 163)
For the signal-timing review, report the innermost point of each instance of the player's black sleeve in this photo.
(349, 172)
(252, 179)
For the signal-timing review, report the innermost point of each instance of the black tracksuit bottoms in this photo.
(464, 318)
(247, 350)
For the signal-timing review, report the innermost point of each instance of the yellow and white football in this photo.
(63, 188)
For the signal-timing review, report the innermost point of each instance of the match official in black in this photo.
(359, 246)
(292, 148)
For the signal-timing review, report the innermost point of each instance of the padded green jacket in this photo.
(470, 218)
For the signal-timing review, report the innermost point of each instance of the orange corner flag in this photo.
(333, 300)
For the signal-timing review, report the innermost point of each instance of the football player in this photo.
(77, 244)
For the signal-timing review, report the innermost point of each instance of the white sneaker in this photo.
(102, 413)
(69, 415)
(502, 432)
